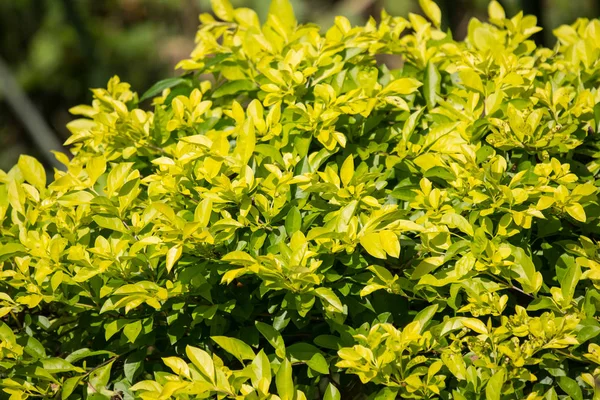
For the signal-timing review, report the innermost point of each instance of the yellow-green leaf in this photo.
(284, 381)
(432, 11)
(222, 9)
(235, 347)
(245, 142)
(32, 171)
(173, 255)
(332, 393)
(202, 360)
(493, 389)
(177, 365)
(390, 243)
(576, 211)
(203, 212)
(372, 243)
(284, 11)
(347, 170)
(402, 86)
(495, 11)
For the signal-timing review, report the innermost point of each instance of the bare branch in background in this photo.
(40, 133)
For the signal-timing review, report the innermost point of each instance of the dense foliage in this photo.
(294, 220)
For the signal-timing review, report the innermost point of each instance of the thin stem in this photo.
(12, 314)
(153, 147)
(509, 285)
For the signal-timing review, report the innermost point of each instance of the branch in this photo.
(41, 134)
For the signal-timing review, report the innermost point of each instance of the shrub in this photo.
(294, 217)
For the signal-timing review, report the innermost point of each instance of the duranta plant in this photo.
(295, 220)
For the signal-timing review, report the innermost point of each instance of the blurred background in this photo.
(53, 51)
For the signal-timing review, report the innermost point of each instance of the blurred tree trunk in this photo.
(453, 14)
(535, 7)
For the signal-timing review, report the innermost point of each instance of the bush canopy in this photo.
(295, 220)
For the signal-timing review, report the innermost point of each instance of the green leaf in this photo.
(454, 220)
(132, 330)
(262, 371)
(284, 11)
(34, 348)
(69, 385)
(202, 360)
(173, 254)
(431, 84)
(372, 244)
(390, 243)
(332, 393)
(577, 212)
(134, 365)
(99, 378)
(493, 389)
(113, 327)
(284, 381)
(402, 86)
(293, 221)
(84, 353)
(495, 11)
(381, 272)
(223, 9)
(471, 79)
(525, 270)
(570, 387)
(271, 151)
(328, 342)
(203, 212)
(32, 171)
(75, 198)
(551, 395)
(346, 214)
(235, 347)
(347, 170)
(425, 315)
(273, 337)
(318, 363)
(439, 172)
(426, 266)
(432, 11)
(590, 329)
(301, 351)
(386, 394)
(234, 87)
(329, 297)
(11, 249)
(245, 143)
(569, 282)
(111, 223)
(475, 325)
(116, 178)
(160, 86)
(177, 365)
(56, 365)
(239, 258)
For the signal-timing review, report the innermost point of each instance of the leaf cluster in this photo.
(294, 220)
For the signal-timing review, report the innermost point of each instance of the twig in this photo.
(12, 314)
(509, 285)
(153, 147)
(112, 359)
